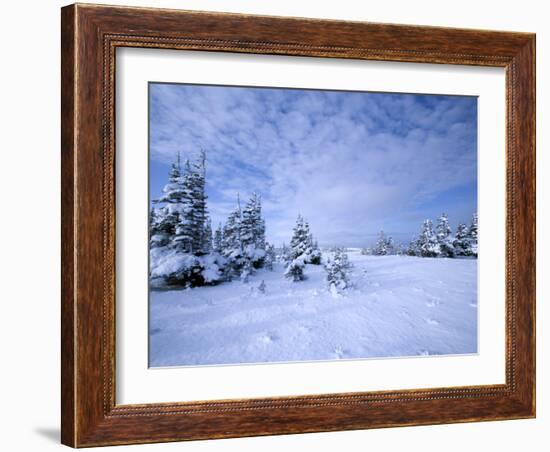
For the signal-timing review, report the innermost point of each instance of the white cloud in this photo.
(352, 163)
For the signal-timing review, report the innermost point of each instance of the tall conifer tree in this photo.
(427, 241)
(444, 237)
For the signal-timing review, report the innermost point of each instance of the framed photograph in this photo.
(280, 225)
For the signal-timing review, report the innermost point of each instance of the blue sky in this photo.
(352, 163)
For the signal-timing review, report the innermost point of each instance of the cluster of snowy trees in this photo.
(181, 222)
(440, 241)
(241, 240)
(184, 250)
(384, 246)
(303, 250)
(437, 241)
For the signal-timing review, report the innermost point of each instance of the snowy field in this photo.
(399, 306)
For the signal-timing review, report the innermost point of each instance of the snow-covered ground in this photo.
(399, 306)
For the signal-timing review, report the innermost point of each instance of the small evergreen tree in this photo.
(461, 241)
(248, 223)
(301, 244)
(252, 231)
(218, 239)
(316, 255)
(337, 268)
(295, 269)
(399, 249)
(390, 246)
(259, 236)
(427, 241)
(444, 237)
(285, 254)
(270, 257)
(414, 247)
(384, 245)
(231, 240)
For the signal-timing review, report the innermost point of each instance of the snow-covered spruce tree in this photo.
(217, 240)
(399, 249)
(232, 247)
(270, 256)
(167, 217)
(300, 250)
(472, 235)
(295, 269)
(248, 222)
(390, 246)
(380, 245)
(173, 191)
(259, 236)
(160, 230)
(252, 232)
(427, 241)
(337, 268)
(414, 247)
(198, 177)
(187, 233)
(207, 246)
(384, 245)
(366, 251)
(202, 237)
(191, 234)
(315, 255)
(444, 237)
(284, 256)
(301, 244)
(187, 260)
(461, 241)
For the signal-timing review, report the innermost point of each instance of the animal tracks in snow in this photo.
(397, 308)
(433, 302)
(268, 338)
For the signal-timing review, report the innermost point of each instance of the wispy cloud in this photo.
(352, 163)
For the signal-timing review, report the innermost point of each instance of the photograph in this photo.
(290, 225)
(267, 223)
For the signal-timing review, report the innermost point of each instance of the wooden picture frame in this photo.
(90, 36)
